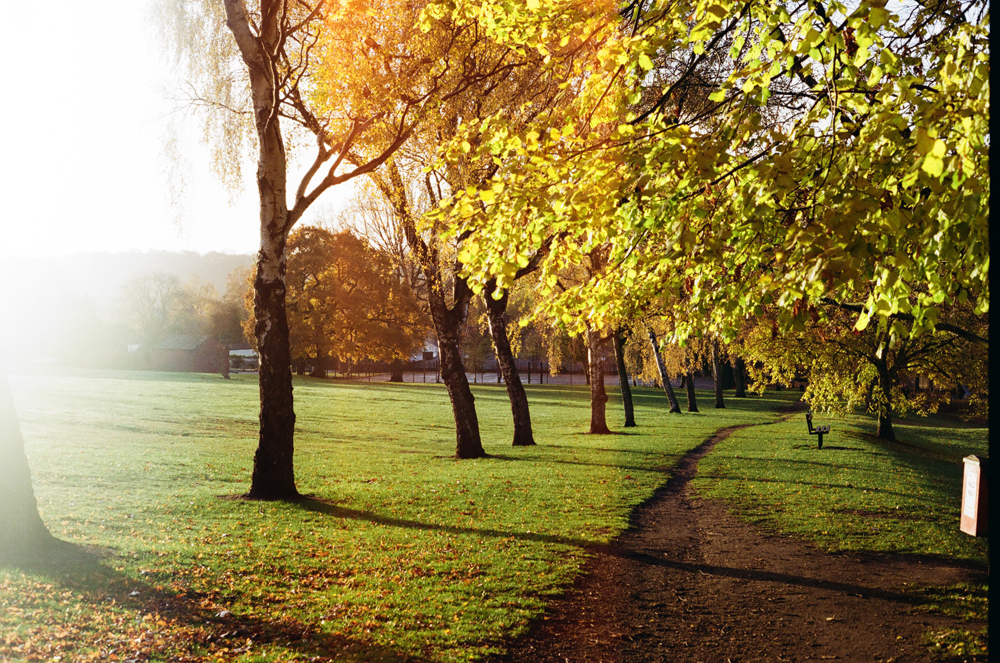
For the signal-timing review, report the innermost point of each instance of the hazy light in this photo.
(84, 159)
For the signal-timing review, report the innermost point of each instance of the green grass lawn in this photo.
(402, 552)
(859, 493)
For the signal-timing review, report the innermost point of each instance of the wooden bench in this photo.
(818, 430)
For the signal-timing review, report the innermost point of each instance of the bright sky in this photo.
(85, 116)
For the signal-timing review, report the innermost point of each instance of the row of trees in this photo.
(801, 184)
(719, 167)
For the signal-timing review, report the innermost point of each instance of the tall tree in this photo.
(419, 179)
(449, 308)
(355, 79)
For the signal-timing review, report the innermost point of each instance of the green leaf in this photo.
(645, 62)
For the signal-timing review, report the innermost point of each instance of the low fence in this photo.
(531, 371)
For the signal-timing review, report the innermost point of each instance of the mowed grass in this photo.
(859, 493)
(401, 552)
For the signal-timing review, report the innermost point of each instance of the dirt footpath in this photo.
(689, 583)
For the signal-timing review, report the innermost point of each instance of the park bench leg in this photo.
(820, 436)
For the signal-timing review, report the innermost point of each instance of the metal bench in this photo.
(817, 430)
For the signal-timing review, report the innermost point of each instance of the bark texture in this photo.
(738, 371)
(22, 532)
(496, 314)
(598, 396)
(623, 379)
(468, 443)
(668, 389)
(691, 398)
(717, 376)
(885, 431)
(273, 468)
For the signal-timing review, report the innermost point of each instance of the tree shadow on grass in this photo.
(170, 624)
(328, 507)
(826, 447)
(810, 484)
(331, 508)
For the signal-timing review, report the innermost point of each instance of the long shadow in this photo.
(811, 484)
(206, 627)
(770, 576)
(323, 506)
(839, 466)
(803, 447)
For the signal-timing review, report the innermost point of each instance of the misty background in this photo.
(84, 309)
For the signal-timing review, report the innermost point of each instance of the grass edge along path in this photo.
(402, 554)
(860, 494)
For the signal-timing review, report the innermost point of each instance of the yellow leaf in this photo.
(933, 165)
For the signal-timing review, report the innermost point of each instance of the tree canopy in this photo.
(867, 187)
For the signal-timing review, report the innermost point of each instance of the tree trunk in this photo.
(319, 367)
(22, 532)
(463, 404)
(689, 386)
(495, 309)
(623, 379)
(598, 396)
(668, 389)
(738, 369)
(273, 471)
(717, 376)
(396, 374)
(885, 431)
(447, 320)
